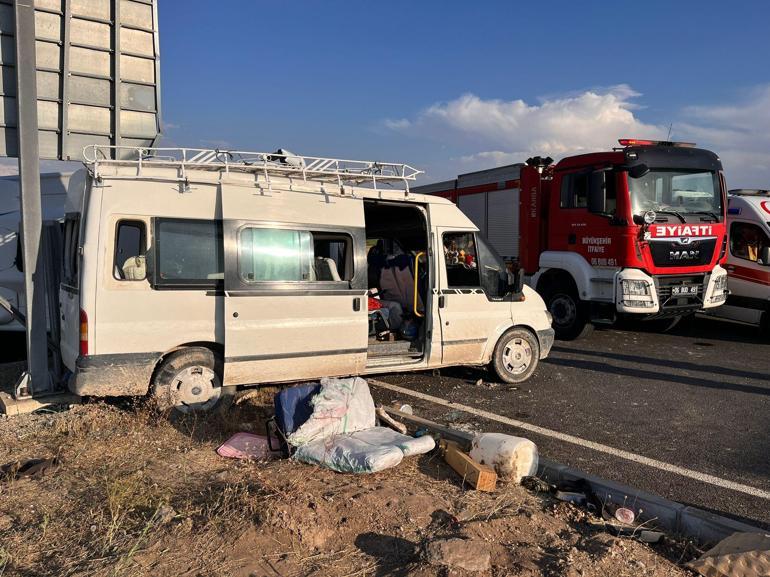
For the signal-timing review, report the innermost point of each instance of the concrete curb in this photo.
(675, 518)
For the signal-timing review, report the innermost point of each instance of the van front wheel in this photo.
(516, 356)
(190, 381)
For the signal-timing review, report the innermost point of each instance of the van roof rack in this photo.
(279, 163)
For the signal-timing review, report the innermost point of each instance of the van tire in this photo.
(570, 314)
(190, 381)
(516, 356)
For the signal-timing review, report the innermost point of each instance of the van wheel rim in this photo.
(195, 389)
(563, 310)
(517, 356)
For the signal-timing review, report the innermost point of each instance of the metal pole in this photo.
(37, 379)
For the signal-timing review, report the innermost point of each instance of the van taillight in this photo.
(83, 332)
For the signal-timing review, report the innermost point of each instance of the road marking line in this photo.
(698, 476)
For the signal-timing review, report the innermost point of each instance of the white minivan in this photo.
(748, 258)
(188, 273)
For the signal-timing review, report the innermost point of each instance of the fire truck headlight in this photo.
(720, 291)
(633, 287)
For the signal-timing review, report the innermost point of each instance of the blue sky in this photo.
(454, 86)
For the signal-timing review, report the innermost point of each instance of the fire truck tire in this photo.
(190, 381)
(570, 314)
(516, 356)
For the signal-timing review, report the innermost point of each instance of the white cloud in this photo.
(739, 132)
(493, 132)
(501, 131)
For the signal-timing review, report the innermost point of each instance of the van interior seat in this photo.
(135, 268)
(326, 269)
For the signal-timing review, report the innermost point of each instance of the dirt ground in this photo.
(140, 494)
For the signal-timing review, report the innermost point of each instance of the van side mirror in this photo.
(597, 192)
(764, 256)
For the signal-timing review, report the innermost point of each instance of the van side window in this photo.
(747, 241)
(274, 254)
(460, 258)
(574, 190)
(130, 250)
(190, 253)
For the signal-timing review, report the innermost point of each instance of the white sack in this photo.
(341, 406)
(512, 457)
(366, 451)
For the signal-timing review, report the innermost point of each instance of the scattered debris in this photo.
(30, 469)
(389, 421)
(458, 554)
(340, 433)
(247, 446)
(512, 457)
(480, 477)
(739, 555)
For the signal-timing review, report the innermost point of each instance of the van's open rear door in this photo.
(295, 288)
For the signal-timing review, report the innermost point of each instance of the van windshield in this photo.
(682, 191)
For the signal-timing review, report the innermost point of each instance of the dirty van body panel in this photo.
(114, 374)
(293, 310)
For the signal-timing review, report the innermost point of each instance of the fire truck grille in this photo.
(672, 293)
(671, 253)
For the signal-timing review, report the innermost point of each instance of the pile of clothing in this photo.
(340, 432)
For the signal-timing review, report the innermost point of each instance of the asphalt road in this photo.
(698, 398)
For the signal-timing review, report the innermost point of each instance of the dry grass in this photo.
(138, 494)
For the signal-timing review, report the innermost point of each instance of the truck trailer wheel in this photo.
(570, 314)
(516, 356)
(190, 381)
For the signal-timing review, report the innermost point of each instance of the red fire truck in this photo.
(638, 231)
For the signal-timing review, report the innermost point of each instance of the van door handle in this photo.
(441, 302)
(357, 304)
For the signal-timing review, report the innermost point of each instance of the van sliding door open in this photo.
(295, 293)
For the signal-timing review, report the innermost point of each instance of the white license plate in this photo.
(684, 290)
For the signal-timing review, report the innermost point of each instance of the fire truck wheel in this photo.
(190, 381)
(570, 314)
(516, 356)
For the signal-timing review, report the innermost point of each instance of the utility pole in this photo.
(36, 380)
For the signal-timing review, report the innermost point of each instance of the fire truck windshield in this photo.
(678, 191)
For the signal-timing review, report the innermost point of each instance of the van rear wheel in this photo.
(190, 381)
(516, 356)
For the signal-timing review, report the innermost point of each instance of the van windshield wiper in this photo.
(675, 213)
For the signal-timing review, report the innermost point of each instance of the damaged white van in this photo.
(188, 273)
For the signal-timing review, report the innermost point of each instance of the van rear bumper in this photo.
(113, 375)
(545, 337)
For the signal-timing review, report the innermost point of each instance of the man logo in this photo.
(684, 254)
(685, 240)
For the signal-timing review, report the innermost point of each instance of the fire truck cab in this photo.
(639, 230)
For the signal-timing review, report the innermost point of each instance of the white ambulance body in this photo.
(748, 261)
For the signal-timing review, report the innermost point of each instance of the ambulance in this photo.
(748, 258)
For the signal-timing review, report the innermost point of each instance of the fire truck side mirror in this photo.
(597, 192)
